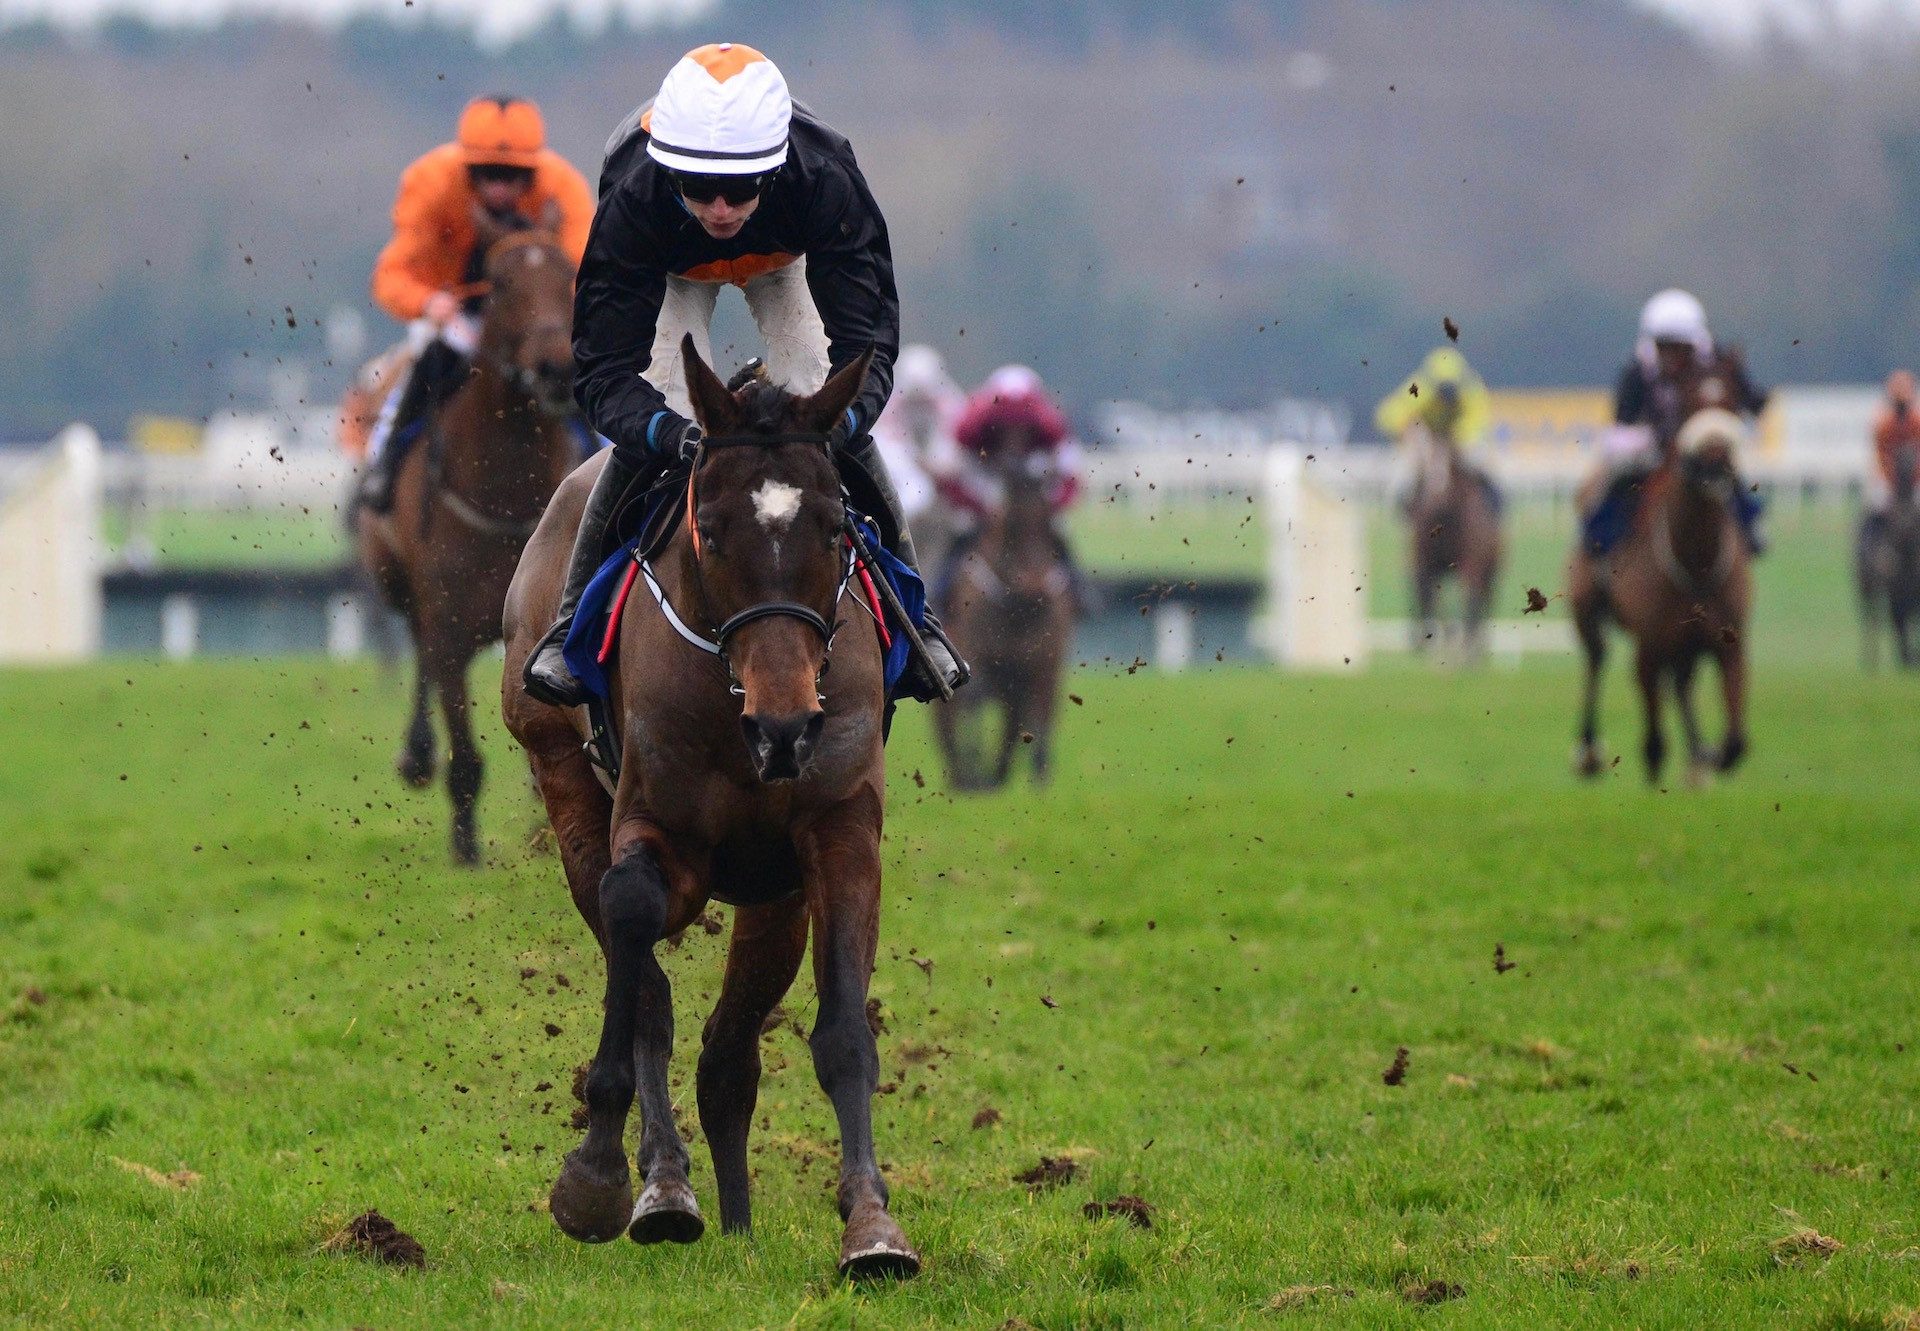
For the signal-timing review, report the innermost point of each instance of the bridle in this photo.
(806, 614)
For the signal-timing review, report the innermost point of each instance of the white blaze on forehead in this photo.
(775, 504)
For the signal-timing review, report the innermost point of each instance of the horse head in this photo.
(769, 550)
(1708, 447)
(1023, 549)
(528, 327)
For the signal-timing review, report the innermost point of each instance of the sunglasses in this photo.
(705, 189)
(502, 175)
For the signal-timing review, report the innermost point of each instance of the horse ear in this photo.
(713, 405)
(823, 410)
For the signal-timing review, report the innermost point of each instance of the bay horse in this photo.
(466, 498)
(1456, 534)
(1888, 572)
(1679, 582)
(753, 775)
(1010, 611)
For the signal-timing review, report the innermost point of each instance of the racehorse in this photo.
(1888, 571)
(1009, 609)
(753, 775)
(1456, 533)
(1679, 582)
(467, 497)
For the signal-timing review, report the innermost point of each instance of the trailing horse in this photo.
(1680, 582)
(1455, 526)
(1009, 608)
(467, 497)
(1888, 568)
(753, 775)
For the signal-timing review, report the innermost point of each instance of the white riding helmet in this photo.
(723, 110)
(1674, 315)
(920, 372)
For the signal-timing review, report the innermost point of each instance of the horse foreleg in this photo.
(416, 761)
(593, 1198)
(1593, 641)
(1699, 760)
(1733, 688)
(1012, 726)
(841, 858)
(1426, 593)
(464, 765)
(1647, 667)
(762, 959)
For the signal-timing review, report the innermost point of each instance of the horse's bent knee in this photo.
(845, 1054)
(633, 899)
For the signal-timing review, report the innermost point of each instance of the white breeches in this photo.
(782, 309)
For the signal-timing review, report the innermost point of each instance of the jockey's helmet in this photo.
(1674, 315)
(920, 372)
(723, 110)
(1014, 383)
(502, 131)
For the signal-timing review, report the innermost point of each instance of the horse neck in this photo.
(1698, 522)
(504, 461)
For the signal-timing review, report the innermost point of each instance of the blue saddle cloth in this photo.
(582, 648)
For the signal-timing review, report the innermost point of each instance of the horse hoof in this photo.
(1700, 774)
(666, 1213)
(875, 1248)
(588, 1205)
(466, 848)
(1586, 761)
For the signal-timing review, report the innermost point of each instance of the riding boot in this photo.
(871, 489)
(547, 675)
(428, 384)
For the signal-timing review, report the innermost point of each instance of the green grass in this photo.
(229, 943)
(290, 537)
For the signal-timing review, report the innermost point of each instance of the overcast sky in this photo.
(503, 19)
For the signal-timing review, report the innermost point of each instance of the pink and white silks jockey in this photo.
(1012, 413)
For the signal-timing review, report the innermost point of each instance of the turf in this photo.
(230, 944)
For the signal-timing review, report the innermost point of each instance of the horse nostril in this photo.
(780, 745)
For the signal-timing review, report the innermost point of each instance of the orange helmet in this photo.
(502, 131)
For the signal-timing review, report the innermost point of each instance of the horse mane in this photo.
(519, 240)
(764, 404)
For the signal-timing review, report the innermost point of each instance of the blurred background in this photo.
(1212, 226)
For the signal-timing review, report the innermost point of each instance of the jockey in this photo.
(499, 168)
(1895, 427)
(915, 431)
(1444, 397)
(1012, 411)
(1442, 404)
(722, 179)
(1647, 414)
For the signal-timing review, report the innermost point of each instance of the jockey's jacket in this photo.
(433, 231)
(1418, 401)
(1640, 397)
(992, 423)
(1892, 432)
(817, 205)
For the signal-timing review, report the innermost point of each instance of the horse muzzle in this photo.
(781, 746)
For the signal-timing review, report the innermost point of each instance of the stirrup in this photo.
(918, 682)
(546, 675)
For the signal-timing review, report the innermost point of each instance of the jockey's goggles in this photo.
(735, 190)
(492, 173)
